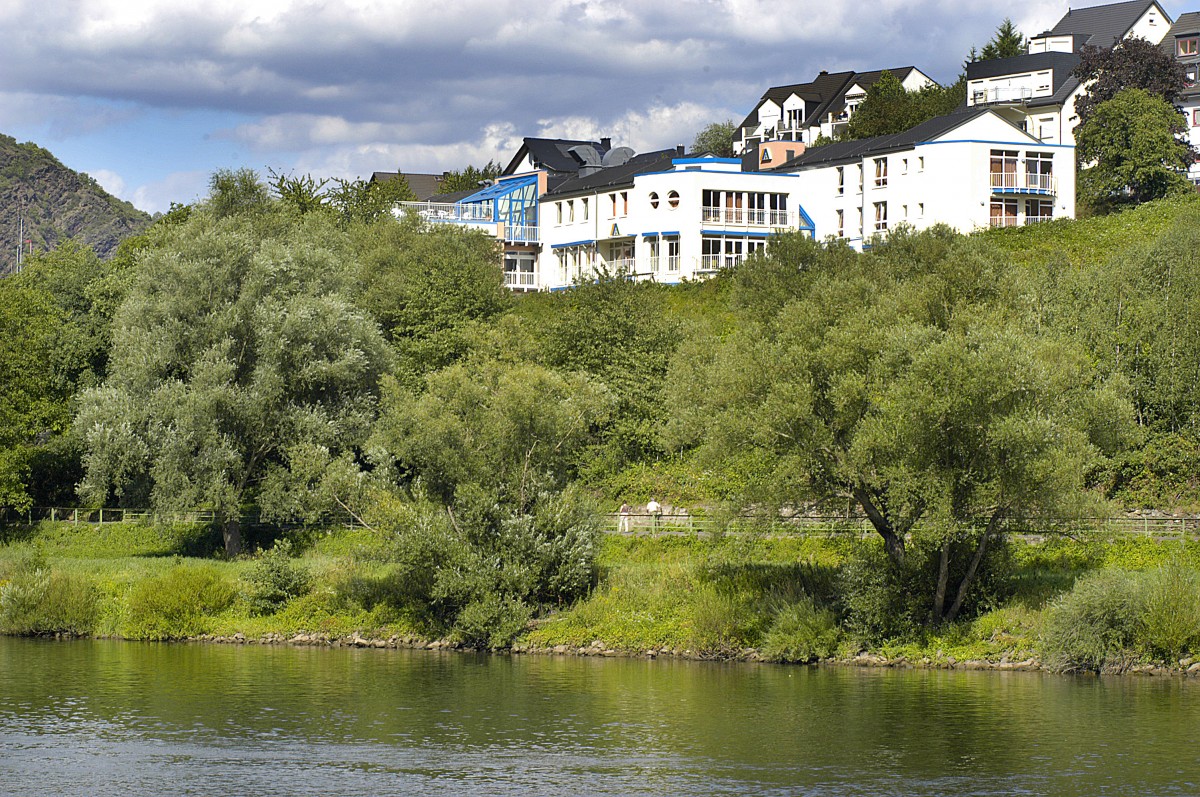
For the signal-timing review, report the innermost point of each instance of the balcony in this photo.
(521, 280)
(1022, 183)
(620, 265)
(520, 233)
(710, 264)
(475, 212)
(743, 217)
(999, 95)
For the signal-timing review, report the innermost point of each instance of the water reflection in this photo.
(143, 719)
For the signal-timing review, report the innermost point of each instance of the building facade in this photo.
(1182, 42)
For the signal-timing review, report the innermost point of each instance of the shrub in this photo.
(492, 622)
(177, 604)
(274, 580)
(801, 632)
(1094, 625)
(1170, 622)
(37, 600)
(721, 620)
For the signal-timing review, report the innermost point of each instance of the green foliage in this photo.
(367, 201)
(470, 178)
(1006, 43)
(1095, 625)
(235, 192)
(715, 139)
(1133, 63)
(888, 108)
(38, 599)
(1132, 152)
(275, 579)
(801, 632)
(1170, 621)
(177, 604)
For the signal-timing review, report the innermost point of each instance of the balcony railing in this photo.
(1000, 94)
(746, 217)
(450, 211)
(673, 263)
(1004, 221)
(1022, 183)
(620, 265)
(521, 233)
(520, 279)
(709, 264)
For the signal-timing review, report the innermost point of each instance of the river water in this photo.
(129, 719)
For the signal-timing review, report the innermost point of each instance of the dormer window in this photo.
(1187, 47)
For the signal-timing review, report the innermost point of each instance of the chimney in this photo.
(680, 150)
(606, 143)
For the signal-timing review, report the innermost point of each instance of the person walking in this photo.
(626, 513)
(654, 510)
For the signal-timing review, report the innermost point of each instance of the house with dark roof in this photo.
(1182, 43)
(802, 112)
(423, 186)
(970, 170)
(1036, 91)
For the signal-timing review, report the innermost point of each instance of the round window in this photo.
(673, 199)
(653, 199)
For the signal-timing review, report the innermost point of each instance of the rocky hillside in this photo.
(57, 204)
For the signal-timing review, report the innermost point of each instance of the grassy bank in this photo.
(1094, 605)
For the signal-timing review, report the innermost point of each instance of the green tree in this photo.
(896, 381)
(234, 345)
(1131, 151)
(364, 202)
(716, 138)
(888, 108)
(1006, 43)
(470, 178)
(1132, 63)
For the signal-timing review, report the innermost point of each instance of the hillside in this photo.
(58, 204)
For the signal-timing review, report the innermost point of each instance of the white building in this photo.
(803, 111)
(969, 170)
(1183, 43)
(1037, 91)
(663, 217)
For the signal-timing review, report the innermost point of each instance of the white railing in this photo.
(521, 233)
(1023, 181)
(620, 265)
(1004, 221)
(449, 211)
(710, 264)
(673, 263)
(1000, 94)
(520, 279)
(743, 217)
(1036, 219)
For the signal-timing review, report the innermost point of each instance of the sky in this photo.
(150, 97)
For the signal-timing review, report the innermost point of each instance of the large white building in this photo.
(970, 170)
(1183, 43)
(1037, 91)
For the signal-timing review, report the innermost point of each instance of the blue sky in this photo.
(150, 96)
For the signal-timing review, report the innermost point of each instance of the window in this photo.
(880, 217)
(921, 163)
(613, 199)
(1189, 76)
(841, 175)
(653, 242)
(1185, 47)
(880, 172)
(1003, 168)
(904, 166)
(1039, 171)
(558, 205)
(860, 178)
(571, 210)
(584, 202)
(653, 199)
(841, 224)
(1004, 212)
(904, 212)
(920, 210)
(673, 199)
(1196, 118)
(672, 254)
(624, 203)
(1038, 210)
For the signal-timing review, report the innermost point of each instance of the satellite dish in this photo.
(617, 157)
(586, 154)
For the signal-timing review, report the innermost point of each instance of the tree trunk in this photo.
(992, 526)
(231, 532)
(939, 597)
(892, 542)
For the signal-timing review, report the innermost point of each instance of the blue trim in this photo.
(733, 234)
(650, 234)
(1025, 191)
(588, 242)
(812, 228)
(685, 161)
(669, 232)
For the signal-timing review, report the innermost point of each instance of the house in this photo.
(663, 216)
(423, 186)
(1183, 43)
(1036, 91)
(804, 111)
(971, 169)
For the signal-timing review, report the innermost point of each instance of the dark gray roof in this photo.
(454, 196)
(1107, 24)
(552, 154)
(422, 185)
(1062, 64)
(616, 176)
(850, 151)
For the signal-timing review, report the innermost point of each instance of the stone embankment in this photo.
(1188, 667)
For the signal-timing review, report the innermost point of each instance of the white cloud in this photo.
(110, 182)
(157, 196)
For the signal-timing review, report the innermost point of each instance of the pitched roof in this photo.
(422, 185)
(614, 176)
(850, 151)
(824, 94)
(1105, 25)
(552, 154)
(1061, 64)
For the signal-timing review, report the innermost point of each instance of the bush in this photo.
(721, 620)
(1093, 626)
(274, 580)
(492, 622)
(801, 632)
(37, 600)
(1170, 622)
(177, 604)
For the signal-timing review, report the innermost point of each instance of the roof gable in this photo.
(1105, 25)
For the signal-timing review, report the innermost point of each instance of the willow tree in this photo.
(234, 348)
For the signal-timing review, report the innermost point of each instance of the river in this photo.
(129, 719)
